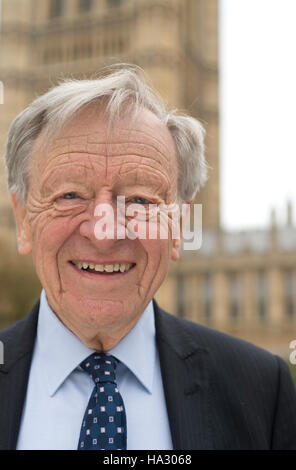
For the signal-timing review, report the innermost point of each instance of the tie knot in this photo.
(101, 367)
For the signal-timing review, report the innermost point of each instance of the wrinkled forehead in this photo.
(89, 133)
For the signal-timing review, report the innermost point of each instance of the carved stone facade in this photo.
(242, 283)
(175, 41)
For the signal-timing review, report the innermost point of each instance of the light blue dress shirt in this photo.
(59, 390)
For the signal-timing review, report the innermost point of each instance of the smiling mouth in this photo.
(103, 268)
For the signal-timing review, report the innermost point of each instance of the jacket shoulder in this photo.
(248, 389)
(19, 338)
(17, 327)
(223, 348)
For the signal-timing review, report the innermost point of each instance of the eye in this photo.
(70, 195)
(140, 200)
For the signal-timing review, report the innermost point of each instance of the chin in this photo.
(94, 313)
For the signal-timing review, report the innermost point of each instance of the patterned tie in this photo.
(104, 422)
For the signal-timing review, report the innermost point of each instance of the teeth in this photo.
(99, 267)
(108, 268)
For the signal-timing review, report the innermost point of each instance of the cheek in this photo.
(158, 254)
(49, 236)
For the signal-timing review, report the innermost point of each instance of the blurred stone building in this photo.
(242, 283)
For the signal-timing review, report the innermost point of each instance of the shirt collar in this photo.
(137, 349)
(62, 351)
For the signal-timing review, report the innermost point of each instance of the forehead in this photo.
(89, 140)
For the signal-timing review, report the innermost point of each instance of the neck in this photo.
(100, 340)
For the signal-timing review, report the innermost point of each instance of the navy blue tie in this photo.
(104, 423)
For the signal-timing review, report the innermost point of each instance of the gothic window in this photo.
(181, 298)
(234, 291)
(85, 5)
(56, 8)
(114, 3)
(262, 294)
(208, 297)
(289, 293)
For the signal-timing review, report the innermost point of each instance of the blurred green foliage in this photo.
(19, 287)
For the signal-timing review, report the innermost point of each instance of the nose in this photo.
(101, 227)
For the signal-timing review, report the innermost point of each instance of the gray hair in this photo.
(119, 86)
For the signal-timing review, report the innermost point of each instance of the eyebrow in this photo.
(129, 174)
(59, 175)
(154, 178)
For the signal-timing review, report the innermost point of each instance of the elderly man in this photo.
(97, 364)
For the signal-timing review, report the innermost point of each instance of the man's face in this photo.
(81, 169)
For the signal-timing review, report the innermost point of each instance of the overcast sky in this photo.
(258, 110)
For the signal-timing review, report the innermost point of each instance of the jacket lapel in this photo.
(18, 347)
(186, 383)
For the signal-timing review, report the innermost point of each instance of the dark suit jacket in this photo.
(221, 392)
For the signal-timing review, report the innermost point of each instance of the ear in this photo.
(176, 249)
(24, 236)
(177, 243)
